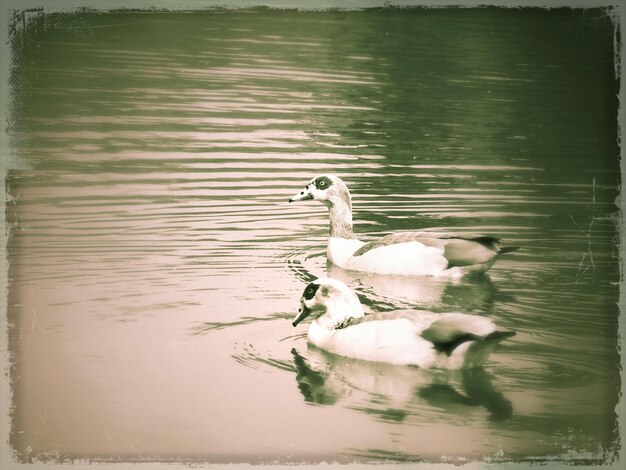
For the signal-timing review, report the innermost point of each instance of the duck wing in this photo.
(452, 329)
(458, 249)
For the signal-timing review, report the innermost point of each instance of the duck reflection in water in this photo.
(392, 393)
(471, 293)
(312, 383)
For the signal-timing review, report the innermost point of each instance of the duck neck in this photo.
(341, 218)
(338, 315)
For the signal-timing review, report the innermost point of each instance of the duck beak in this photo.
(302, 195)
(303, 312)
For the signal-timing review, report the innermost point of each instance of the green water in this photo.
(155, 263)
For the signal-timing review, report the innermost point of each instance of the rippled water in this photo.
(155, 263)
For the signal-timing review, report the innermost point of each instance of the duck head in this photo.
(327, 189)
(335, 195)
(335, 303)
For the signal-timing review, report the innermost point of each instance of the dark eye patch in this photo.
(310, 291)
(323, 182)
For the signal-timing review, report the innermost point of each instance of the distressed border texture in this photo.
(11, 9)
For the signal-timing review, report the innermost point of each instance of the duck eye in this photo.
(310, 291)
(323, 182)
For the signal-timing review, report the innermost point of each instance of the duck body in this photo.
(392, 340)
(417, 338)
(398, 340)
(416, 253)
(404, 253)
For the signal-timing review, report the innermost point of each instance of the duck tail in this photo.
(498, 336)
(507, 249)
(480, 349)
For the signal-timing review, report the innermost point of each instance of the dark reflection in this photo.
(477, 391)
(390, 415)
(471, 293)
(383, 455)
(478, 386)
(443, 395)
(301, 272)
(205, 327)
(250, 357)
(311, 383)
(395, 393)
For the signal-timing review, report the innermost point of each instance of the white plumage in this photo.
(405, 253)
(419, 338)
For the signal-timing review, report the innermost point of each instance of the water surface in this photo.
(155, 263)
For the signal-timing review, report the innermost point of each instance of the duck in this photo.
(403, 253)
(413, 338)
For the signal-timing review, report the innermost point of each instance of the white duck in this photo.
(418, 338)
(405, 253)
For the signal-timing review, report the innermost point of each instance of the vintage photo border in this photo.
(8, 160)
